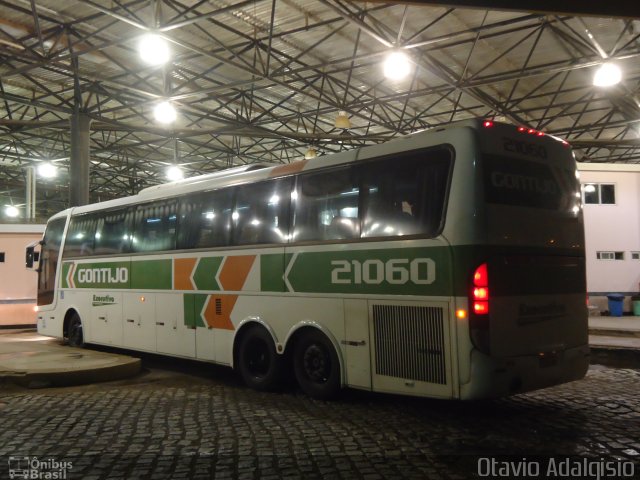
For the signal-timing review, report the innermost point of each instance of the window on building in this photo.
(610, 255)
(635, 255)
(599, 193)
(1, 257)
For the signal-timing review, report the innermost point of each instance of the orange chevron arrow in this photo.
(217, 311)
(235, 271)
(182, 271)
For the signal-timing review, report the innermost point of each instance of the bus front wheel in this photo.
(74, 332)
(316, 365)
(259, 364)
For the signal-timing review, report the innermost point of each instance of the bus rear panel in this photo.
(527, 278)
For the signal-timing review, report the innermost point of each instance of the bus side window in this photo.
(111, 234)
(326, 206)
(80, 237)
(205, 219)
(405, 196)
(155, 227)
(261, 213)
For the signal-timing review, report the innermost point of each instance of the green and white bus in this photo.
(449, 263)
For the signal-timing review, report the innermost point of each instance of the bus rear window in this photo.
(523, 183)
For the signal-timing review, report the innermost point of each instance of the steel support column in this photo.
(31, 194)
(79, 163)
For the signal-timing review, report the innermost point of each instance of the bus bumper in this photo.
(499, 377)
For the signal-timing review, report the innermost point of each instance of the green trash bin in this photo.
(635, 300)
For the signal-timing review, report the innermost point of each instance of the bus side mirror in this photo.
(30, 256)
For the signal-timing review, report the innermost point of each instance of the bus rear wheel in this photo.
(316, 365)
(74, 331)
(259, 364)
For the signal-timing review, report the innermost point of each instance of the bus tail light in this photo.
(487, 124)
(531, 131)
(479, 318)
(480, 292)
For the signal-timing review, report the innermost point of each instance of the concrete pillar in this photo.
(79, 164)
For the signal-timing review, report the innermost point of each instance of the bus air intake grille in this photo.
(409, 342)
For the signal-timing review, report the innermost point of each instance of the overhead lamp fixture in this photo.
(174, 173)
(153, 49)
(11, 211)
(47, 170)
(342, 120)
(311, 153)
(397, 65)
(165, 113)
(607, 75)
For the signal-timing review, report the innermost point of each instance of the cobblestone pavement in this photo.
(170, 423)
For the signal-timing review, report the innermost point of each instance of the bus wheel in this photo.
(259, 364)
(75, 337)
(316, 365)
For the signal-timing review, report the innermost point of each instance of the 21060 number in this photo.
(397, 271)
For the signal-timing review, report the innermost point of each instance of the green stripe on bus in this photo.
(198, 303)
(422, 271)
(402, 271)
(271, 273)
(152, 274)
(187, 305)
(101, 275)
(193, 305)
(63, 277)
(205, 275)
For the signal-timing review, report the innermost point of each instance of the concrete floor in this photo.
(37, 361)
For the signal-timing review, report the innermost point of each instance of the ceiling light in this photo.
(311, 153)
(153, 49)
(342, 120)
(174, 173)
(164, 112)
(607, 75)
(397, 66)
(11, 211)
(47, 170)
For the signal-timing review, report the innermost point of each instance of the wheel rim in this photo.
(317, 364)
(257, 358)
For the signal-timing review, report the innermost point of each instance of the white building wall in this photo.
(613, 228)
(18, 285)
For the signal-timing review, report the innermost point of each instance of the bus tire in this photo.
(316, 365)
(259, 365)
(75, 338)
